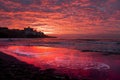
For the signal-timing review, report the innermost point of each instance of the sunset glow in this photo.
(68, 61)
(60, 39)
(62, 16)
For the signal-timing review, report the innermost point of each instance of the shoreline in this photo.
(13, 69)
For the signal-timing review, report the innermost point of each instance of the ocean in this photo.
(94, 59)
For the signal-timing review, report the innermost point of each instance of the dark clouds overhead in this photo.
(71, 16)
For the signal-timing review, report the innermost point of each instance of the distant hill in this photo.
(25, 33)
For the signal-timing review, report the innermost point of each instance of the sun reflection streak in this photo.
(65, 60)
(55, 57)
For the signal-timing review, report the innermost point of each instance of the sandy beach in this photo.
(13, 69)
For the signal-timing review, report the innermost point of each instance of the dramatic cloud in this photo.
(62, 16)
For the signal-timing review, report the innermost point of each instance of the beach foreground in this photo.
(59, 59)
(13, 69)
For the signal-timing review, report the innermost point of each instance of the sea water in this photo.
(89, 58)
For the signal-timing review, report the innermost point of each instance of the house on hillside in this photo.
(29, 30)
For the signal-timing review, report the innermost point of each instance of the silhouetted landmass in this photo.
(26, 33)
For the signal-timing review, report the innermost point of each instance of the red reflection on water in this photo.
(73, 62)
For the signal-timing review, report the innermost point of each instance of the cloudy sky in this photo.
(62, 16)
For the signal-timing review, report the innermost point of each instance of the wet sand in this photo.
(13, 69)
(56, 64)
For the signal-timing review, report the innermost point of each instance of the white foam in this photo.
(21, 53)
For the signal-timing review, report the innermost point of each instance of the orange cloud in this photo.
(62, 16)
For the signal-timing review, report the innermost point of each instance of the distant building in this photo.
(29, 30)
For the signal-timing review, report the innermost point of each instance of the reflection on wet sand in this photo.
(69, 61)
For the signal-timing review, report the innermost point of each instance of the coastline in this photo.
(25, 33)
(13, 69)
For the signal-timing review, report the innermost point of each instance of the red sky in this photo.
(62, 16)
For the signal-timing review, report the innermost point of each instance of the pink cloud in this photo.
(58, 16)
